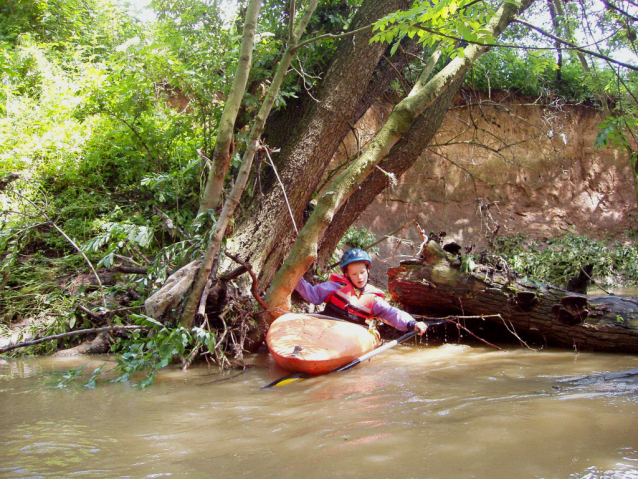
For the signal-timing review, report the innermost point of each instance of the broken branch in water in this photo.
(66, 335)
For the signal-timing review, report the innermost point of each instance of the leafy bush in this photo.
(560, 259)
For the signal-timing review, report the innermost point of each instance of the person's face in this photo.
(357, 273)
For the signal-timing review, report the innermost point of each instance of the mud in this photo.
(503, 165)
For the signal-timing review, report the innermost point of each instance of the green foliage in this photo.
(560, 259)
(438, 24)
(117, 236)
(147, 353)
(359, 238)
(62, 379)
(91, 23)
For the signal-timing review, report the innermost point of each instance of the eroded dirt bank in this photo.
(504, 165)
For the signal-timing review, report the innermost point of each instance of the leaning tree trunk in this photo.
(423, 95)
(223, 151)
(433, 284)
(400, 159)
(265, 231)
(215, 242)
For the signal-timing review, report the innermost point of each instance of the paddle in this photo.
(384, 347)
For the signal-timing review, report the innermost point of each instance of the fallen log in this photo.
(433, 284)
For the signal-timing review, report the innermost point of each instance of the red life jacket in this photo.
(347, 304)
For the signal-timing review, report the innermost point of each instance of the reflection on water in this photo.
(624, 291)
(449, 411)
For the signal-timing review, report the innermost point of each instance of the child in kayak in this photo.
(349, 296)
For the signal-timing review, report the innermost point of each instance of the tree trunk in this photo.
(265, 230)
(215, 242)
(223, 151)
(424, 93)
(400, 159)
(434, 285)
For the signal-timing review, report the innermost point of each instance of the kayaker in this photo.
(349, 296)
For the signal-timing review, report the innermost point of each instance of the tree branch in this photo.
(573, 45)
(69, 334)
(52, 223)
(255, 285)
(332, 36)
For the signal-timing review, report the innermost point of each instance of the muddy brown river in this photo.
(416, 411)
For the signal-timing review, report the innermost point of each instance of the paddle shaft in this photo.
(382, 348)
(374, 352)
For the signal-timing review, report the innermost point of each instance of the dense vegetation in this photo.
(106, 125)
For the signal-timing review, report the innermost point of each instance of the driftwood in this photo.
(434, 284)
(169, 296)
(69, 334)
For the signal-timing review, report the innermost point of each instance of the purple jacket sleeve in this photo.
(316, 294)
(382, 309)
(393, 316)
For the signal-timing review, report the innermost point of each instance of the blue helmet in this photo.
(353, 256)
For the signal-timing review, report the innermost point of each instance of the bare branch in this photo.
(574, 46)
(333, 36)
(255, 286)
(69, 334)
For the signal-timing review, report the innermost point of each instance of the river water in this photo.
(416, 411)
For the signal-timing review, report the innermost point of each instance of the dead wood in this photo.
(67, 335)
(169, 296)
(434, 284)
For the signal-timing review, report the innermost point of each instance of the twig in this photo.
(135, 295)
(207, 162)
(455, 320)
(128, 260)
(66, 335)
(89, 312)
(52, 223)
(333, 36)
(201, 308)
(170, 225)
(186, 363)
(131, 308)
(272, 164)
(389, 235)
(592, 280)
(254, 277)
(226, 379)
(512, 331)
(237, 272)
(136, 249)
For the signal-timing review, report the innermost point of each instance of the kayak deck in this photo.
(316, 345)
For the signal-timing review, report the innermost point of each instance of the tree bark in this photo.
(214, 245)
(424, 93)
(434, 285)
(400, 159)
(223, 151)
(264, 233)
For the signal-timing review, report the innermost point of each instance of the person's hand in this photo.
(422, 327)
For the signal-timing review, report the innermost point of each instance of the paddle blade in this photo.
(291, 378)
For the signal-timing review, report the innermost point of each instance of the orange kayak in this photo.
(315, 344)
